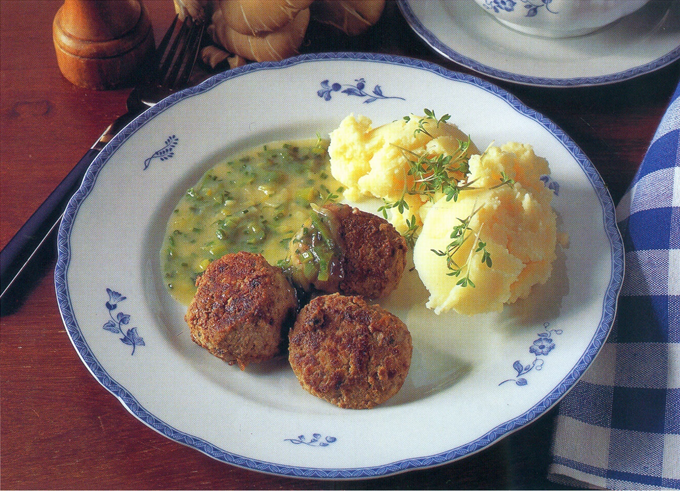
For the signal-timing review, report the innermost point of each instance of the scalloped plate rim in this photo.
(418, 462)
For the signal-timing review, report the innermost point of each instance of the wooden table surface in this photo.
(60, 428)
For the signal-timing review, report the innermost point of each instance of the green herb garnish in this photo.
(429, 116)
(460, 234)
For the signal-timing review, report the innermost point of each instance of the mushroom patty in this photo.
(241, 307)
(350, 353)
(346, 250)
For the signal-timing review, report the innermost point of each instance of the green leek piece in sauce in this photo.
(316, 251)
(255, 202)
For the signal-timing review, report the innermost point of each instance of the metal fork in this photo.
(24, 256)
(174, 61)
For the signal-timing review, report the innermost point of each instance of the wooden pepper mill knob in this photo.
(101, 44)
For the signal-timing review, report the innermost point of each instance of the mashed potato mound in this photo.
(370, 161)
(517, 224)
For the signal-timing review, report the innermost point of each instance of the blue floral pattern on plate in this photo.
(498, 5)
(316, 440)
(115, 324)
(164, 153)
(532, 6)
(358, 90)
(551, 184)
(541, 347)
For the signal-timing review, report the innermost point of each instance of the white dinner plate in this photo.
(472, 381)
(463, 32)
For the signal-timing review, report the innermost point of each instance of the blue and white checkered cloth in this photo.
(619, 427)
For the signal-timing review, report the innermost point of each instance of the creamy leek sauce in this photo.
(255, 202)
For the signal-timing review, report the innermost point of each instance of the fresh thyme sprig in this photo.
(505, 181)
(430, 175)
(330, 196)
(460, 234)
(401, 205)
(429, 116)
(410, 234)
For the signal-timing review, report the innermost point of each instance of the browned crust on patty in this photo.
(350, 353)
(241, 307)
(374, 253)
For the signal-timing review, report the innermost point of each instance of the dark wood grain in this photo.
(59, 428)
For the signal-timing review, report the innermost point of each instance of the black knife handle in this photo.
(38, 233)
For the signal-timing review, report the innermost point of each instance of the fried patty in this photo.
(350, 353)
(241, 308)
(368, 254)
(374, 253)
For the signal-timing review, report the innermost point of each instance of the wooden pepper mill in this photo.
(102, 44)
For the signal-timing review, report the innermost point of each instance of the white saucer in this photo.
(462, 32)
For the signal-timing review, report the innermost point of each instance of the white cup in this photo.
(559, 18)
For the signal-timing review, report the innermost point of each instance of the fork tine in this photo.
(168, 60)
(164, 42)
(190, 55)
(175, 58)
(178, 61)
(186, 54)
